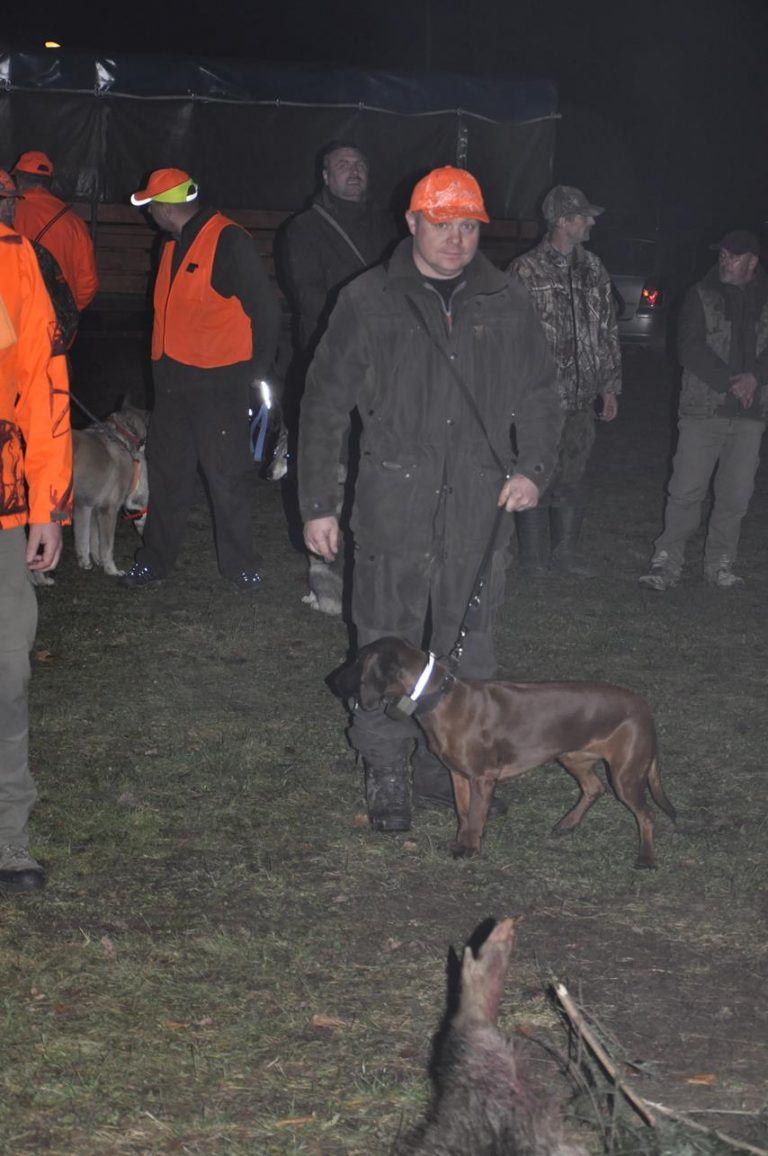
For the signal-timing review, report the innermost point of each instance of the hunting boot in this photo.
(532, 529)
(432, 786)
(386, 794)
(565, 524)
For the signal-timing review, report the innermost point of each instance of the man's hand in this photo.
(44, 545)
(321, 536)
(610, 407)
(518, 493)
(743, 386)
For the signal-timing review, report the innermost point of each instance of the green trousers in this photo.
(18, 623)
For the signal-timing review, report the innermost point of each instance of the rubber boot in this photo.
(532, 529)
(565, 525)
(386, 795)
(432, 786)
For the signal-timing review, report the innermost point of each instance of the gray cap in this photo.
(566, 201)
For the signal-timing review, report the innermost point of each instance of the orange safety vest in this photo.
(35, 438)
(193, 323)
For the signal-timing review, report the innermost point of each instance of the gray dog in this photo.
(110, 474)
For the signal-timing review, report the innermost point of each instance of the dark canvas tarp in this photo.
(250, 133)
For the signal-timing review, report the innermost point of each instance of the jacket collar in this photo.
(480, 275)
(561, 260)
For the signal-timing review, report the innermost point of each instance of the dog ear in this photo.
(344, 682)
(373, 681)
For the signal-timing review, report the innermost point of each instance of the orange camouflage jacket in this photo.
(35, 436)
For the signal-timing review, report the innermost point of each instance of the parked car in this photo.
(650, 272)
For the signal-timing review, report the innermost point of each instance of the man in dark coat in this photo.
(343, 233)
(408, 345)
(723, 348)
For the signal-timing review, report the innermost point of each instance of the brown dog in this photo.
(486, 732)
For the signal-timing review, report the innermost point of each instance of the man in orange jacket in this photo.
(35, 491)
(215, 334)
(45, 218)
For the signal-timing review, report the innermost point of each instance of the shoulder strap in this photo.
(460, 382)
(52, 221)
(341, 231)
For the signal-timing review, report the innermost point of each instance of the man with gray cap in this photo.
(723, 349)
(571, 294)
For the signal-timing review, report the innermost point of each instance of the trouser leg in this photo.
(733, 487)
(390, 595)
(18, 622)
(221, 433)
(567, 494)
(532, 529)
(699, 445)
(172, 472)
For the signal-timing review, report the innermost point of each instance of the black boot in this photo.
(386, 794)
(565, 524)
(432, 787)
(532, 529)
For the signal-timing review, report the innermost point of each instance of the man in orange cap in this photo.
(45, 218)
(214, 335)
(439, 353)
(36, 488)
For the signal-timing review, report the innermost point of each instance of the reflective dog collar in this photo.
(409, 704)
(416, 693)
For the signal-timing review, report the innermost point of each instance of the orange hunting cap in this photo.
(34, 162)
(169, 186)
(448, 194)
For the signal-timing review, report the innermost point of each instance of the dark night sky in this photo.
(662, 99)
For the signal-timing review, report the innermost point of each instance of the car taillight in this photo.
(650, 298)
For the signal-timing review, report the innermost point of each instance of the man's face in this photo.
(736, 268)
(163, 217)
(577, 228)
(346, 174)
(443, 250)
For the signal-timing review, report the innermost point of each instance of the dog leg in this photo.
(629, 778)
(82, 520)
(473, 798)
(581, 766)
(106, 519)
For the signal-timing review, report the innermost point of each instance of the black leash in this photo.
(110, 433)
(457, 650)
(473, 603)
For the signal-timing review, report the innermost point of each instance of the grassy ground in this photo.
(227, 960)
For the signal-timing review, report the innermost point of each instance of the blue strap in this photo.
(259, 425)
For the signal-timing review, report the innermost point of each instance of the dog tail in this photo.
(657, 791)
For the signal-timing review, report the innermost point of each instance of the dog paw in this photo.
(310, 599)
(328, 606)
(459, 851)
(85, 563)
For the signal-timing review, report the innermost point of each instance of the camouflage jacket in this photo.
(572, 297)
(707, 352)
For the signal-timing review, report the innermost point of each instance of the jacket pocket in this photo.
(388, 510)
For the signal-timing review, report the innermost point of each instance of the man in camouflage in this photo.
(571, 294)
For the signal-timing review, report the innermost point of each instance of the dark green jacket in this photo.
(316, 260)
(426, 472)
(705, 346)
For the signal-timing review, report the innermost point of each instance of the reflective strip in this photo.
(423, 678)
